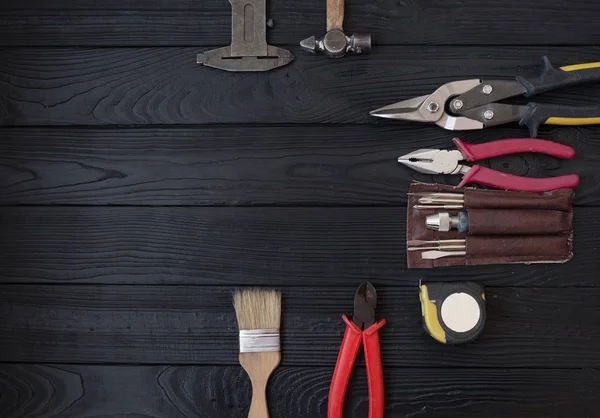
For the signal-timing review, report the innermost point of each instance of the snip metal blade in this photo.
(405, 110)
(432, 108)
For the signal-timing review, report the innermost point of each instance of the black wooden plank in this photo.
(223, 392)
(208, 22)
(277, 246)
(61, 86)
(527, 327)
(251, 165)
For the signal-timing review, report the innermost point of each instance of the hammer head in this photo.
(336, 44)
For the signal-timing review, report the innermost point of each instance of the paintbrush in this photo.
(259, 317)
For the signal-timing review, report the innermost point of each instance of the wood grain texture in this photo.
(246, 246)
(79, 391)
(140, 86)
(119, 157)
(526, 327)
(208, 22)
(253, 165)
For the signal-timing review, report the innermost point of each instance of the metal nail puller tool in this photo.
(336, 43)
(248, 50)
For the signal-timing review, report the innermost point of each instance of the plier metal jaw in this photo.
(362, 329)
(435, 161)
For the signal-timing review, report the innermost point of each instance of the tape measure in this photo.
(453, 313)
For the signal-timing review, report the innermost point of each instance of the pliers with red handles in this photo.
(362, 329)
(435, 161)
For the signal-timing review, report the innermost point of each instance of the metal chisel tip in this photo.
(434, 255)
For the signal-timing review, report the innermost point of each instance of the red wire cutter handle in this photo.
(374, 369)
(476, 152)
(343, 369)
(353, 337)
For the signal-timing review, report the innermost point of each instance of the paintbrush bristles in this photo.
(257, 309)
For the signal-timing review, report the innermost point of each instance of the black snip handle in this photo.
(553, 78)
(547, 114)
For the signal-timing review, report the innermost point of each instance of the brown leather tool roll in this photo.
(517, 221)
(561, 199)
(516, 246)
(504, 227)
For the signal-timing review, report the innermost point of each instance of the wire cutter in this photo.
(471, 104)
(435, 161)
(363, 328)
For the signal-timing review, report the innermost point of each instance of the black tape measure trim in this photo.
(438, 292)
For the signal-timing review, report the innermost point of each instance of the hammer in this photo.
(335, 43)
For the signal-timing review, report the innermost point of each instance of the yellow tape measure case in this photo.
(453, 313)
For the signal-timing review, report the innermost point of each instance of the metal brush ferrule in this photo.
(259, 340)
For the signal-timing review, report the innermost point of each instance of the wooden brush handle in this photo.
(258, 407)
(335, 15)
(259, 367)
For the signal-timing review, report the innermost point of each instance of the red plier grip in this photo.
(488, 177)
(476, 152)
(345, 362)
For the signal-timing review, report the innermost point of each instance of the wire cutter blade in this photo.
(365, 302)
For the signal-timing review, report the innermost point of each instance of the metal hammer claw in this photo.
(335, 43)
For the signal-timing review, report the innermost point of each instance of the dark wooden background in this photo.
(138, 189)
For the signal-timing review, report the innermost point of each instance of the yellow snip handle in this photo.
(593, 120)
(556, 120)
(553, 78)
(577, 67)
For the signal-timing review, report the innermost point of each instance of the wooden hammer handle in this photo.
(335, 15)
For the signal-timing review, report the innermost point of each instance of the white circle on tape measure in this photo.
(460, 312)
